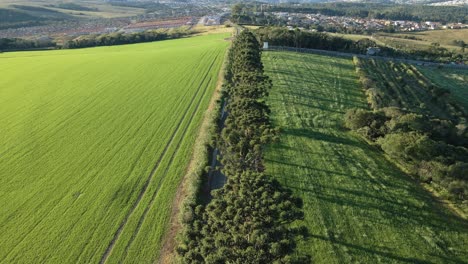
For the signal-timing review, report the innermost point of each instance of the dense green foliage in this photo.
(97, 140)
(24, 44)
(111, 39)
(414, 121)
(247, 219)
(120, 38)
(358, 206)
(278, 36)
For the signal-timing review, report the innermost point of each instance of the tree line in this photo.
(7, 44)
(122, 38)
(96, 40)
(280, 36)
(248, 219)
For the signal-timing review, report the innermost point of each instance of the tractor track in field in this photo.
(153, 171)
(142, 218)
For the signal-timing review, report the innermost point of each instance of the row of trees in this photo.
(121, 38)
(280, 36)
(111, 39)
(248, 220)
(24, 44)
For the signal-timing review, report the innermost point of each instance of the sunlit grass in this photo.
(81, 132)
(359, 208)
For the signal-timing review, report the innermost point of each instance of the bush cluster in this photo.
(248, 220)
(434, 149)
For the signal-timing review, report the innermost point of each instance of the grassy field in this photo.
(359, 208)
(94, 143)
(456, 80)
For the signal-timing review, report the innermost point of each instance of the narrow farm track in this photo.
(95, 152)
(202, 87)
(358, 206)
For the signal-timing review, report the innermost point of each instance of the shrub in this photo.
(358, 118)
(410, 146)
(430, 171)
(409, 122)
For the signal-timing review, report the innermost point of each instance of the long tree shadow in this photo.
(316, 135)
(373, 251)
(359, 182)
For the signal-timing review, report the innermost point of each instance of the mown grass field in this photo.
(94, 143)
(456, 80)
(358, 207)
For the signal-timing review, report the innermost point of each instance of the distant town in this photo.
(100, 26)
(363, 24)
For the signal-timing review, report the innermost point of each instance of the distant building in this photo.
(265, 45)
(371, 51)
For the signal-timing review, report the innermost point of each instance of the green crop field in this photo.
(359, 208)
(456, 80)
(94, 143)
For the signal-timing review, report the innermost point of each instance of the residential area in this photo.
(342, 23)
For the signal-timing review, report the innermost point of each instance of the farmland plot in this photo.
(94, 144)
(358, 207)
